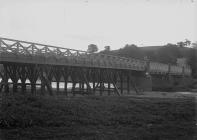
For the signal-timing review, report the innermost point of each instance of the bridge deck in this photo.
(28, 52)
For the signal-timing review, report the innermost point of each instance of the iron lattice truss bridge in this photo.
(27, 60)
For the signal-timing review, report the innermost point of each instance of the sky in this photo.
(77, 23)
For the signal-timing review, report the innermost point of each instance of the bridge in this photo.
(22, 61)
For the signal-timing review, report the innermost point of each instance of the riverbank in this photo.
(94, 117)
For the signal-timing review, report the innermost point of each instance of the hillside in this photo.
(150, 48)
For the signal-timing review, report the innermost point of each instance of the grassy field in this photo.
(97, 118)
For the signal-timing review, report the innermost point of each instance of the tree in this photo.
(107, 48)
(92, 48)
(168, 54)
(187, 42)
(130, 51)
(181, 44)
(184, 43)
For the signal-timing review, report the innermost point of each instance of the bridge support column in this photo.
(93, 79)
(109, 88)
(33, 87)
(101, 82)
(6, 87)
(23, 77)
(12, 70)
(45, 82)
(58, 86)
(121, 82)
(82, 87)
(111, 78)
(73, 79)
(109, 81)
(42, 87)
(5, 78)
(96, 79)
(114, 82)
(85, 76)
(66, 87)
(73, 88)
(57, 72)
(1, 83)
(128, 83)
(65, 74)
(32, 75)
(93, 86)
(23, 89)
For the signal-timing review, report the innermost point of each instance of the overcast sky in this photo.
(77, 23)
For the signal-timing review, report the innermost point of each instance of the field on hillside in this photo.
(97, 118)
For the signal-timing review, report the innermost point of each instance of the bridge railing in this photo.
(30, 48)
(176, 69)
(156, 67)
(116, 61)
(187, 71)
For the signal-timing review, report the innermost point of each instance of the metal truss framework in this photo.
(75, 75)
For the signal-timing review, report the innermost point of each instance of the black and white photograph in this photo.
(98, 69)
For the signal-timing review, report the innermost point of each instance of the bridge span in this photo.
(22, 61)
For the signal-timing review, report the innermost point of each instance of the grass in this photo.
(97, 118)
